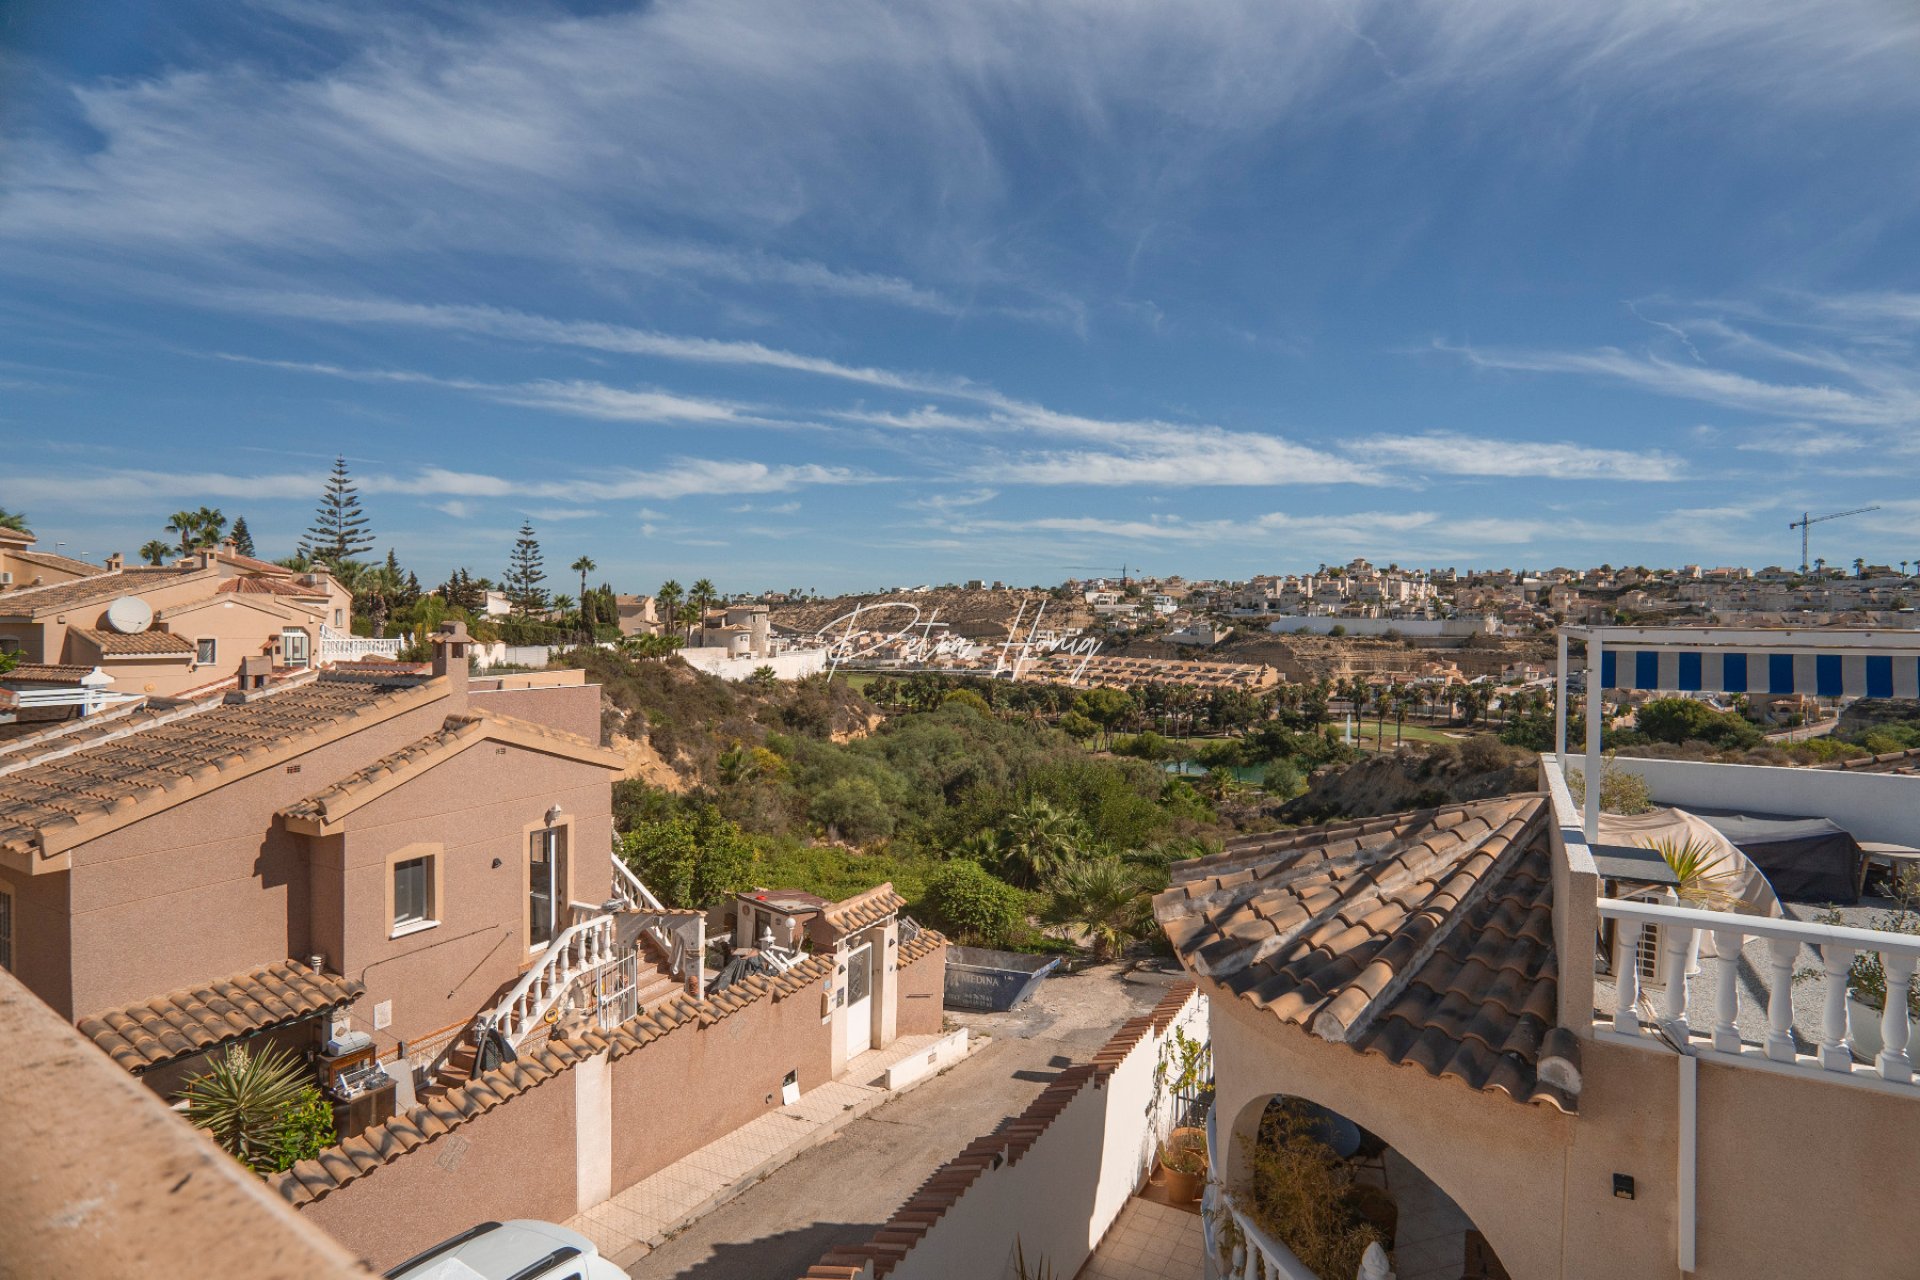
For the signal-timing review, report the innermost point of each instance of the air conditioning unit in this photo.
(6, 579)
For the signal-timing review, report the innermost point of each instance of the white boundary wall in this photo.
(1058, 1199)
(1411, 628)
(792, 665)
(1872, 806)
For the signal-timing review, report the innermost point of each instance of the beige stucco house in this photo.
(1446, 981)
(168, 630)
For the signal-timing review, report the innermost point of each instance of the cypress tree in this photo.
(339, 529)
(525, 572)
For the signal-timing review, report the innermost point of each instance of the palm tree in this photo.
(1104, 898)
(583, 566)
(18, 523)
(669, 598)
(701, 597)
(1036, 838)
(184, 525)
(373, 589)
(242, 1101)
(155, 552)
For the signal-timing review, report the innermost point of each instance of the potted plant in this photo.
(1183, 1157)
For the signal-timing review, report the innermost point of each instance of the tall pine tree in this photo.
(525, 572)
(339, 529)
(242, 537)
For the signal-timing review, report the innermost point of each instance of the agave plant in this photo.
(1701, 883)
(243, 1100)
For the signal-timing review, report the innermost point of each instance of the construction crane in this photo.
(1806, 521)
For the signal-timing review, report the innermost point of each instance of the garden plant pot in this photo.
(1185, 1186)
(1864, 1023)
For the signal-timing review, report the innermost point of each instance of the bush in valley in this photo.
(1484, 755)
(1687, 720)
(1283, 780)
(690, 858)
(975, 905)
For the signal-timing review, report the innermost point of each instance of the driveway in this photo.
(841, 1191)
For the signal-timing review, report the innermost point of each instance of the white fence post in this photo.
(1893, 1062)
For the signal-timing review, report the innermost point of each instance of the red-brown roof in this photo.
(267, 587)
(46, 673)
(194, 1019)
(1424, 937)
(33, 602)
(141, 644)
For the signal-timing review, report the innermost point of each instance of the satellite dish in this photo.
(129, 616)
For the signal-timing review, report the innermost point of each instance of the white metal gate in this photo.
(860, 1000)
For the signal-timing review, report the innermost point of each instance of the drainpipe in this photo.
(1689, 1153)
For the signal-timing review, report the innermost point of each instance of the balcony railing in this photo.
(335, 647)
(1715, 1029)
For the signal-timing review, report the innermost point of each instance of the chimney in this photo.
(450, 649)
(255, 670)
(115, 563)
(228, 547)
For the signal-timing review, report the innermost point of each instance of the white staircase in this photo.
(583, 948)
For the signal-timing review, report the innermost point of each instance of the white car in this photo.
(521, 1249)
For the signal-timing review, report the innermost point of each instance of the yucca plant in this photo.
(243, 1101)
(1701, 883)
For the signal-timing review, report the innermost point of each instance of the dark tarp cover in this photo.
(1805, 859)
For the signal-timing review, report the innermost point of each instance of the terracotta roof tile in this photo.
(46, 673)
(62, 790)
(98, 589)
(862, 910)
(143, 644)
(194, 1019)
(264, 586)
(65, 564)
(1424, 937)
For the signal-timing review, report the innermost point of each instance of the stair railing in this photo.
(578, 950)
(681, 939)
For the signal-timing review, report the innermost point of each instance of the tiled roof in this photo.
(458, 732)
(1885, 762)
(862, 909)
(65, 564)
(189, 750)
(142, 644)
(1424, 937)
(1006, 1145)
(358, 1156)
(46, 673)
(192, 1019)
(98, 589)
(265, 586)
(921, 945)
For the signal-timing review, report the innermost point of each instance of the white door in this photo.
(860, 1000)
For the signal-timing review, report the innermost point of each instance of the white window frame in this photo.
(429, 909)
(556, 842)
(210, 646)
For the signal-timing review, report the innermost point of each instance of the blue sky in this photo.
(862, 292)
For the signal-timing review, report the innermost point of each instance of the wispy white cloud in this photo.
(580, 397)
(460, 492)
(1885, 406)
(1448, 453)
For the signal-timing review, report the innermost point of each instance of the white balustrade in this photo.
(682, 939)
(579, 949)
(338, 647)
(1837, 946)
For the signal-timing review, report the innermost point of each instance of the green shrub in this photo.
(1282, 780)
(691, 858)
(306, 1129)
(855, 808)
(1686, 720)
(975, 905)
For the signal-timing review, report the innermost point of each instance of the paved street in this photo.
(840, 1192)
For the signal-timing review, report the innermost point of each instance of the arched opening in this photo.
(1308, 1176)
